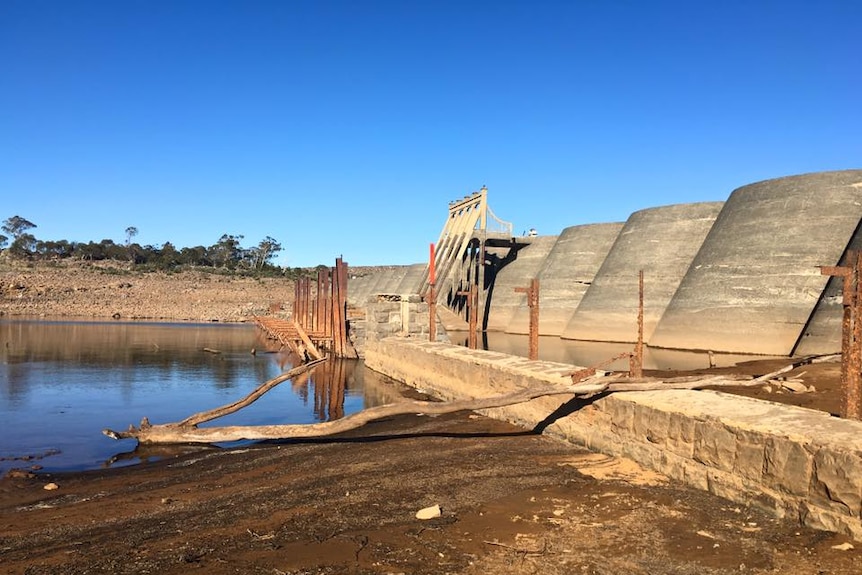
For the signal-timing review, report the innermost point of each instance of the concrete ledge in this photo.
(799, 463)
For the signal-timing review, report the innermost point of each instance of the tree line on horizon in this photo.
(225, 254)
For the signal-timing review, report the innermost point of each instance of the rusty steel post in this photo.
(306, 303)
(853, 389)
(340, 340)
(636, 361)
(533, 303)
(534, 319)
(472, 334)
(473, 337)
(432, 298)
(320, 302)
(851, 330)
(295, 299)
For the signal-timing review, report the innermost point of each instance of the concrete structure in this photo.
(410, 282)
(799, 463)
(504, 301)
(359, 288)
(392, 279)
(822, 334)
(661, 242)
(755, 281)
(565, 275)
(742, 278)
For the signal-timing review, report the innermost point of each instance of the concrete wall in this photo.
(661, 242)
(755, 281)
(516, 274)
(357, 289)
(799, 463)
(822, 334)
(565, 275)
(393, 279)
(742, 278)
(410, 282)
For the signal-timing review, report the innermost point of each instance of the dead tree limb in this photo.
(186, 431)
(205, 416)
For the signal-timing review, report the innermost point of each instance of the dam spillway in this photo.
(740, 276)
(661, 242)
(756, 281)
(565, 275)
(504, 300)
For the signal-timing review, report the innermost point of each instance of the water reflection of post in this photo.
(300, 386)
(330, 382)
(337, 379)
(319, 383)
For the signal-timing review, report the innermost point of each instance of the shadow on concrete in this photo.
(567, 408)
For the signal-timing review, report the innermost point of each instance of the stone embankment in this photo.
(798, 463)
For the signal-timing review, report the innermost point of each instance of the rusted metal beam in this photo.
(533, 303)
(432, 297)
(472, 298)
(636, 361)
(851, 333)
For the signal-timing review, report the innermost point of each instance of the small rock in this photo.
(794, 385)
(17, 473)
(429, 512)
(51, 487)
(843, 547)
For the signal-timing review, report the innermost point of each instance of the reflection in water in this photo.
(588, 353)
(151, 453)
(61, 383)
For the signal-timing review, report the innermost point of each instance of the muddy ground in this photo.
(512, 501)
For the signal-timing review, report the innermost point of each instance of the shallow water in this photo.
(590, 353)
(62, 382)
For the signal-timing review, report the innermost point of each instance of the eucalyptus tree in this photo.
(22, 241)
(264, 252)
(131, 232)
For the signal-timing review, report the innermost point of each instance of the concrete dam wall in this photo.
(504, 300)
(740, 276)
(755, 282)
(661, 242)
(565, 275)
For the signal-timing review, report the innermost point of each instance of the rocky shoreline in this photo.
(115, 290)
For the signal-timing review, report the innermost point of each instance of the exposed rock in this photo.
(429, 512)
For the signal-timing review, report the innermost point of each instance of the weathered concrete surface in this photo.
(796, 462)
(565, 275)
(357, 289)
(505, 301)
(660, 241)
(822, 334)
(410, 282)
(755, 281)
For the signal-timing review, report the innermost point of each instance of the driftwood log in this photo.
(187, 430)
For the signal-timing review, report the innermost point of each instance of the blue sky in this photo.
(345, 128)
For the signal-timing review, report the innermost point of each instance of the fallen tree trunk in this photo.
(186, 431)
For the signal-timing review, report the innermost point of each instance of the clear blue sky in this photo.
(347, 127)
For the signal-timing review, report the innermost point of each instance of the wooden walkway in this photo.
(318, 323)
(291, 335)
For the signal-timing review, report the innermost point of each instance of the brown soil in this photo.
(512, 501)
(105, 290)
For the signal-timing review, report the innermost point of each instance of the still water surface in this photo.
(589, 353)
(62, 382)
